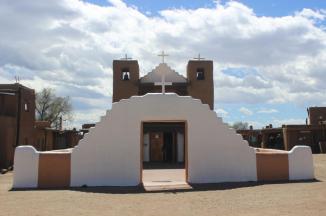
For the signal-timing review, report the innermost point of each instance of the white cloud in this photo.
(245, 111)
(69, 45)
(290, 121)
(85, 116)
(267, 111)
(221, 112)
(308, 13)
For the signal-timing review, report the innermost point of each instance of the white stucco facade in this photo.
(301, 163)
(26, 167)
(110, 154)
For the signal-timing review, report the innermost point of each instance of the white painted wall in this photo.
(109, 155)
(146, 147)
(26, 167)
(301, 163)
(180, 147)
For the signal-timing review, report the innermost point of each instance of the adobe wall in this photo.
(201, 89)
(272, 166)
(279, 165)
(316, 114)
(26, 164)
(7, 140)
(123, 89)
(54, 169)
(27, 117)
(34, 169)
(100, 158)
(110, 154)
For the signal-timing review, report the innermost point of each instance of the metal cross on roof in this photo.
(126, 57)
(162, 55)
(17, 78)
(199, 58)
(163, 83)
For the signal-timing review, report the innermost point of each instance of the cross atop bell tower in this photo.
(126, 57)
(199, 58)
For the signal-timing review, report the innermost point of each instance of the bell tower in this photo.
(200, 80)
(125, 79)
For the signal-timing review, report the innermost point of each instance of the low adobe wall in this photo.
(35, 169)
(54, 170)
(278, 165)
(110, 154)
(272, 166)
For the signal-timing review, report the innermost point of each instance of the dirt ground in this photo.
(299, 198)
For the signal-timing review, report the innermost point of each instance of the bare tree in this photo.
(240, 125)
(51, 108)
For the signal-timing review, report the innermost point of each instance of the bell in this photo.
(126, 76)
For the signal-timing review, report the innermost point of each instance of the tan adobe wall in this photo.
(8, 105)
(43, 139)
(316, 114)
(124, 89)
(54, 170)
(272, 166)
(309, 135)
(7, 140)
(201, 89)
(27, 118)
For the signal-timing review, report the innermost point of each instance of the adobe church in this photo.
(166, 118)
(163, 141)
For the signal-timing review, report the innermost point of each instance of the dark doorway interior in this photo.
(165, 145)
(168, 148)
(275, 141)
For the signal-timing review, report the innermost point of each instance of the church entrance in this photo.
(163, 147)
(164, 143)
(164, 153)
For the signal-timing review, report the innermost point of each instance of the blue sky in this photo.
(269, 56)
(261, 8)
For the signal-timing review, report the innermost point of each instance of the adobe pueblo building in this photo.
(178, 126)
(18, 125)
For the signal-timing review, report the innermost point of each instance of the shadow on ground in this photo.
(193, 187)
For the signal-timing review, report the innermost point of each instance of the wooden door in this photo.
(156, 146)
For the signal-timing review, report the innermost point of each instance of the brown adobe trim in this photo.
(54, 170)
(272, 166)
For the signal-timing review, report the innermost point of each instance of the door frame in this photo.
(142, 144)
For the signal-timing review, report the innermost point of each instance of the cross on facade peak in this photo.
(163, 83)
(162, 54)
(126, 57)
(199, 58)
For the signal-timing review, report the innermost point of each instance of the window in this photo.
(200, 74)
(125, 74)
(26, 107)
